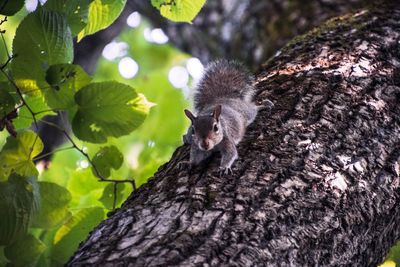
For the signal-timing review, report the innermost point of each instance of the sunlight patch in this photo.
(94, 127)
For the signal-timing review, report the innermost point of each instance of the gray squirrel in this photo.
(224, 107)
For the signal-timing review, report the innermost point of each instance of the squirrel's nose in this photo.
(206, 144)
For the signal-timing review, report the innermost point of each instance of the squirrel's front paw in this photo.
(225, 171)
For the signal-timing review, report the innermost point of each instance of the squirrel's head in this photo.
(207, 131)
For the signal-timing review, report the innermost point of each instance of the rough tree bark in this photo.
(317, 181)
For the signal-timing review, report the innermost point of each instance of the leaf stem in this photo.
(115, 196)
(52, 152)
(46, 110)
(8, 61)
(4, 40)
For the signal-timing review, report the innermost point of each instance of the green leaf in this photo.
(42, 39)
(17, 154)
(394, 254)
(76, 11)
(24, 118)
(25, 251)
(19, 200)
(10, 7)
(7, 103)
(101, 14)
(108, 109)
(179, 10)
(85, 189)
(38, 106)
(3, 259)
(82, 182)
(108, 195)
(157, 3)
(107, 158)
(54, 200)
(64, 80)
(75, 231)
(388, 263)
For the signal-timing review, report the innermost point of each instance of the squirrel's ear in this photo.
(217, 112)
(190, 115)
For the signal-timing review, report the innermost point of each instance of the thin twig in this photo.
(41, 89)
(97, 172)
(8, 61)
(4, 43)
(115, 196)
(132, 182)
(52, 152)
(46, 110)
(3, 20)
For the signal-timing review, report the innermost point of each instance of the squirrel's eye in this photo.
(215, 128)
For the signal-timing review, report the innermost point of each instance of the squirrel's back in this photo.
(224, 79)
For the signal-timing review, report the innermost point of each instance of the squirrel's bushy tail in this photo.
(224, 79)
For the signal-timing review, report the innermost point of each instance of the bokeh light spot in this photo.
(133, 20)
(128, 68)
(115, 50)
(195, 67)
(178, 76)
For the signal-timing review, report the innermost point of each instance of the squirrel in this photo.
(224, 107)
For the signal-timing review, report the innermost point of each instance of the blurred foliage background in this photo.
(141, 57)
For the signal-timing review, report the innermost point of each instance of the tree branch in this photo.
(317, 179)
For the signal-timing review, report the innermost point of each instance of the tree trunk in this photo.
(317, 179)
